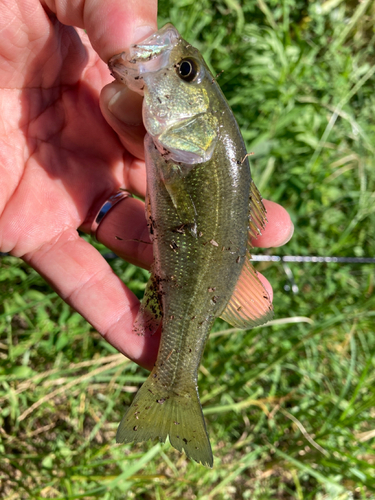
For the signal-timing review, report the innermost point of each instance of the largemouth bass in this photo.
(201, 207)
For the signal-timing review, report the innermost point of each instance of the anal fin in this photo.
(150, 311)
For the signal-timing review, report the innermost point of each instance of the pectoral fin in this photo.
(184, 205)
(150, 312)
(172, 175)
(173, 178)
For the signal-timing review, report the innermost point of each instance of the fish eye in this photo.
(187, 69)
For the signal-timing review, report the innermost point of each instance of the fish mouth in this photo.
(150, 55)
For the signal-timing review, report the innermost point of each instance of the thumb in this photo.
(112, 25)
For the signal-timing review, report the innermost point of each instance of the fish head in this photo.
(177, 87)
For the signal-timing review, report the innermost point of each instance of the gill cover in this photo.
(177, 112)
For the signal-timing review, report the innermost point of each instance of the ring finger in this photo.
(125, 232)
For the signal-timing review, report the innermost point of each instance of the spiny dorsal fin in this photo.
(257, 212)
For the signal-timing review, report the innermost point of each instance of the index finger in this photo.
(279, 228)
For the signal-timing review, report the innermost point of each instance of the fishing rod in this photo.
(284, 259)
(312, 258)
(281, 258)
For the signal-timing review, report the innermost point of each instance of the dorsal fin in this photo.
(257, 212)
(250, 304)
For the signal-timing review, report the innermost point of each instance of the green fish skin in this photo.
(201, 207)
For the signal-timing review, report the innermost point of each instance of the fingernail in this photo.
(126, 106)
(289, 236)
(291, 233)
(142, 32)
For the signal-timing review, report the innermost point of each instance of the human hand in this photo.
(60, 160)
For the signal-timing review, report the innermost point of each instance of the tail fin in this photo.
(157, 412)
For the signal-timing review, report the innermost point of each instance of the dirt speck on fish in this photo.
(202, 208)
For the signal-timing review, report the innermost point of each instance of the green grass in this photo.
(290, 407)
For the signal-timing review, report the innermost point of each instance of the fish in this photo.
(202, 209)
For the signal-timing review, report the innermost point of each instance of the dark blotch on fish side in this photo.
(180, 229)
(174, 246)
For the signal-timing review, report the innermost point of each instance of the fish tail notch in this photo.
(158, 413)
